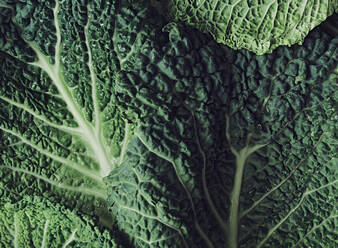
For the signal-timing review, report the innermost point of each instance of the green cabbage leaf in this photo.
(229, 153)
(119, 129)
(257, 25)
(36, 222)
(60, 130)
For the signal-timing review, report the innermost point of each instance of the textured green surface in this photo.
(257, 25)
(58, 123)
(231, 153)
(36, 222)
(222, 148)
(60, 130)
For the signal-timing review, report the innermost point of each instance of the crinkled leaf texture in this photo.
(36, 222)
(257, 25)
(199, 116)
(229, 153)
(60, 130)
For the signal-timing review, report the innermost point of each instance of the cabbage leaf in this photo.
(229, 153)
(257, 25)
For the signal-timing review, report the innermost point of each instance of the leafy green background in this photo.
(185, 128)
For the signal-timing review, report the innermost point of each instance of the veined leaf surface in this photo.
(229, 153)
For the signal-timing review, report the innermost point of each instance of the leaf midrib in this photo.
(89, 132)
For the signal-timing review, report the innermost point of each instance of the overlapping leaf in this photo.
(235, 153)
(259, 26)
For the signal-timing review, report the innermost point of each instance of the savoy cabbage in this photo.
(118, 129)
(36, 222)
(239, 152)
(257, 25)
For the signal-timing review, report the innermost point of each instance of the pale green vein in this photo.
(229, 17)
(142, 239)
(212, 10)
(162, 239)
(70, 239)
(16, 231)
(135, 45)
(314, 229)
(132, 49)
(89, 173)
(154, 241)
(57, 56)
(197, 225)
(157, 219)
(97, 193)
(93, 78)
(303, 8)
(264, 15)
(146, 197)
(256, 203)
(115, 32)
(274, 18)
(142, 214)
(284, 20)
(240, 22)
(241, 157)
(54, 71)
(11, 145)
(214, 211)
(45, 230)
(272, 230)
(125, 143)
(70, 130)
(321, 187)
(200, 4)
